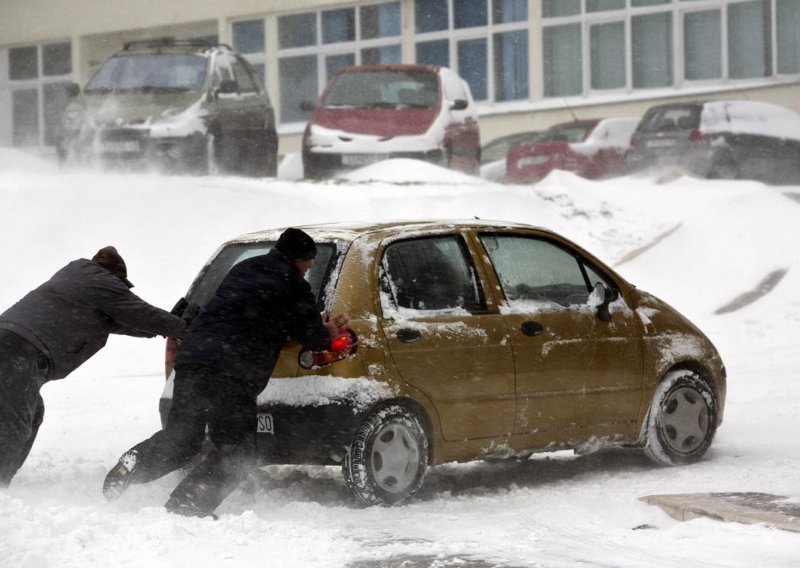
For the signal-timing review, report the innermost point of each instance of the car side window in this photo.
(432, 273)
(537, 270)
(243, 77)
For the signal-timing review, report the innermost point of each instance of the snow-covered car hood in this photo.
(165, 114)
(379, 122)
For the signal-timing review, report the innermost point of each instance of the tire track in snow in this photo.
(762, 289)
(644, 248)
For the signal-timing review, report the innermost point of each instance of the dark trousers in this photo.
(203, 397)
(23, 371)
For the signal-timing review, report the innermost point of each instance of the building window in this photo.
(312, 46)
(702, 45)
(249, 39)
(651, 50)
(748, 46)
(38, 79)
(601, 45)
(788, 36)
(484, 41)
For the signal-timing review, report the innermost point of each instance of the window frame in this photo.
(319, 51)
(47, 119)
(489, 34)
(677, 11)
(585, 264)
(388, 297)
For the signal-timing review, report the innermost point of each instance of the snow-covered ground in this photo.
(697, 244)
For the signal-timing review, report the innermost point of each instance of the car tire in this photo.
(725, 168)
(682, 420)
(263, 160)
(388, 457)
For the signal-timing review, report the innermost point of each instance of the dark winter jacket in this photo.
(260, 304)
(69, 317)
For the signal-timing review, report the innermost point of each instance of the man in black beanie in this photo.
(224, 362)
(53, 330)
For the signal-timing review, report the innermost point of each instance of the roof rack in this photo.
(171, 42)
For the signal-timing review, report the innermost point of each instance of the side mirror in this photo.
(605, 297)
(459, 104)
(307, 106)
(228, 87)
(73, 90)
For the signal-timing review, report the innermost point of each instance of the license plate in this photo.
(360, 159)
(660, 143)
(265, 424)
(120, 146)
(533, 161)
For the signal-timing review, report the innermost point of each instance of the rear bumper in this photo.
(309, 435)
(318, 435)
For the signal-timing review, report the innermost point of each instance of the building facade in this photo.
(529, 63)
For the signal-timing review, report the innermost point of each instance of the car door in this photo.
(240, 110)
(443, 339)
(462, 133)
(573, 370)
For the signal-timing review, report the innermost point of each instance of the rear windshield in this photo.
(567, 132)
(383, 89)
(150, 72)
(670, 118)
(207, 283)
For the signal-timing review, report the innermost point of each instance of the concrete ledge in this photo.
(749, 508)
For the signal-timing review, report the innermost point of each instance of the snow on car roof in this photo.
(749, 117)
(350, 230)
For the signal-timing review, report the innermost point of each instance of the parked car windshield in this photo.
(150, 72)
(233, 254)
(376, 89)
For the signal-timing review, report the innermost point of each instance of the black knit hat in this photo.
(109, 258)
(296, 244)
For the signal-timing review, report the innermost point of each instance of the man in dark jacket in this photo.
(224, 362)
(53, 330)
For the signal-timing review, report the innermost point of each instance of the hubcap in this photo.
(395, 458)
(684, 421)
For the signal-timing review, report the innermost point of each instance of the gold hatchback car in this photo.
(474, 340)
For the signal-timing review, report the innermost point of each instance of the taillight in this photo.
(341, 348)
(697, 136)
(171, 353)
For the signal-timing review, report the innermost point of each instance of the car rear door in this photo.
(573, 370)
(443, 338)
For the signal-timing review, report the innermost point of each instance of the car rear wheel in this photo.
(725, 168)
(682, 420)
(388, 457)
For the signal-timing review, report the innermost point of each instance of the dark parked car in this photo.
(592, 149)
(474, 340)
(184, 106)
(370, 113)
(720, 139)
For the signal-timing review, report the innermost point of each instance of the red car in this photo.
(590, 148)
(375, 112)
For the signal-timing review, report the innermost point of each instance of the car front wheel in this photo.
(388, 457)
(682, 420)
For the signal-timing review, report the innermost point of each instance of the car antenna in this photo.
(569, 108)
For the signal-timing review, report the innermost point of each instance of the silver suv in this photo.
(185, 106)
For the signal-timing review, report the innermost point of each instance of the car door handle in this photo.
(408, 335)
(532, 328)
